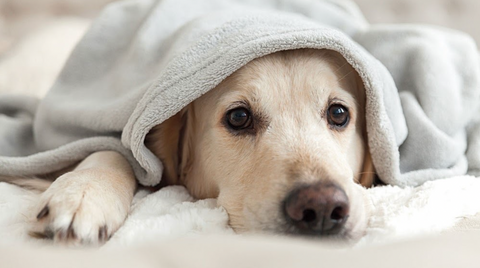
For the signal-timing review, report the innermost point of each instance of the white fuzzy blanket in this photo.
(398, 213)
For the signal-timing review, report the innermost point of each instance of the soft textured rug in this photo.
(397, 213)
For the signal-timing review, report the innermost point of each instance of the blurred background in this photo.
(24, 22)
(19, 17)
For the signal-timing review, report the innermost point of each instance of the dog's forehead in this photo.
(294, 83)
(300, 77)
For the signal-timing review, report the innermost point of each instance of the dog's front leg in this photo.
(88, 204)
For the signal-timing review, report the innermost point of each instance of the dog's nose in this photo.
(320, 208)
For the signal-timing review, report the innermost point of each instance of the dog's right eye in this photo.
(239, 118)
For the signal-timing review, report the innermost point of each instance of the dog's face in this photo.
(281, 143)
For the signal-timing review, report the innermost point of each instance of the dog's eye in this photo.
(239, 118)
(338, 115)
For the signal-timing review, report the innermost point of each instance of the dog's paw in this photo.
(81, 208)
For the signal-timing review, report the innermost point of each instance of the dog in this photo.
(281, 143)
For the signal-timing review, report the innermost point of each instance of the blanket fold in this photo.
(143, 61)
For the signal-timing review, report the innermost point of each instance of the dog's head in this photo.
(281, 143)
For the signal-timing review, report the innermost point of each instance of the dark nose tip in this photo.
(320, 208)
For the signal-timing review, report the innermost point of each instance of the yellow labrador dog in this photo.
(281, 143)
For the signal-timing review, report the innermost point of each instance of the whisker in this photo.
(345, 76)
(338, 71)
(343, 65)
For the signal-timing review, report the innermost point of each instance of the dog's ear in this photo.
(171, 143)
(367, 177)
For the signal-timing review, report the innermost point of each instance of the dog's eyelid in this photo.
(238, 104)
(350, 105)
(331, 101)
(336, 100)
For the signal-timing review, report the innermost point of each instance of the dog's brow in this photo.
(339, 101)
(237, 104)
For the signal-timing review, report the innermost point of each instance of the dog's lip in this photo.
(343, 236)
(337, 231)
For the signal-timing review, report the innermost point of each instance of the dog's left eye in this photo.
(338, 115)
(239, 118)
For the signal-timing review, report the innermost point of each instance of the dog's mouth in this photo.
(316, 228)
(318, 211)
(341, 234)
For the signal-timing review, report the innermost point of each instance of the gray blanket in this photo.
(142, 61)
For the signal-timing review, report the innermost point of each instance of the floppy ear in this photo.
(171, 143)
(367, 177)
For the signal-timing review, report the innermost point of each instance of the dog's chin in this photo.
(350, 233)
(344, 237)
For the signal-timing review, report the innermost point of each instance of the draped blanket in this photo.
(142, 61)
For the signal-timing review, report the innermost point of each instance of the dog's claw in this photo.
(70, 232)
(41, 235)
(102, 233)
(62, 235)
(49, 234)
(43, 213)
